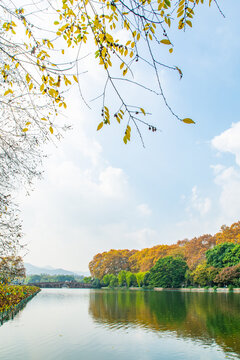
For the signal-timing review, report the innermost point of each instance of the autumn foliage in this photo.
(110, 262)
(229, 234)
(12, 295)
(192, 251)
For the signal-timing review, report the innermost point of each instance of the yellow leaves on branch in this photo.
(119, 116)
(127, 136)
(74, 23)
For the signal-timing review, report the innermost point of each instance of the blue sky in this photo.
(98, 193)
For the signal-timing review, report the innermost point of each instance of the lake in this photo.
(106, 324)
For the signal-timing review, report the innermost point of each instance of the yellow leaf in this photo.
(180, 13)
(188, 121)
(143, 111)
(25, 129)
(171, 50)
(28, 123)
(51, 130)
(166, 42)
(100, 126)
(9, 91)
(189, 23)
(122, 65)
(75, 78)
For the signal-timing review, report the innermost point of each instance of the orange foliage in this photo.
(229, 234)
(143, 260)
(110, 262)
(193, 251)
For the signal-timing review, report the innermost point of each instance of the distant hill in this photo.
(36, 270)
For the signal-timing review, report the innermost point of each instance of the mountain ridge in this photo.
(37, 270)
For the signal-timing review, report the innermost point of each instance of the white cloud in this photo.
(228, 178)
(228, 141)
(199, 204)
(217, 168)
(225, 208)
(144, 210)
(143, 238)
(113, 183)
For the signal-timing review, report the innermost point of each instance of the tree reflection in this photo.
(208, 317)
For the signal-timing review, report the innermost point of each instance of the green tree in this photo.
(122, 278)
(140, 278)
(222, 255)
(106, 279)
(130, 279)
(87, 279)
(113, 281)
(96, 284)
(204, 275)
(168, 272)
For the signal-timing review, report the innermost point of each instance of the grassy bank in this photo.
(13, 298)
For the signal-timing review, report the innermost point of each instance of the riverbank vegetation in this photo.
(12, 295)
(204, 261)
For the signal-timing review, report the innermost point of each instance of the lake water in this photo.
(86, 324)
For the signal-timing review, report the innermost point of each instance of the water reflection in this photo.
(208, 317)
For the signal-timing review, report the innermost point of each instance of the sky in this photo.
(99, 194)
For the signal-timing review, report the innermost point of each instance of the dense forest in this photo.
(203, 261)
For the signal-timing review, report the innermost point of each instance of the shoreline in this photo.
(9, 314)
(211, 290)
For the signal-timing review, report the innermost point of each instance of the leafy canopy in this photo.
(222, 255)
(168, 272)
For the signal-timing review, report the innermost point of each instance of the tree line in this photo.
(203, 261)
(52, 278)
